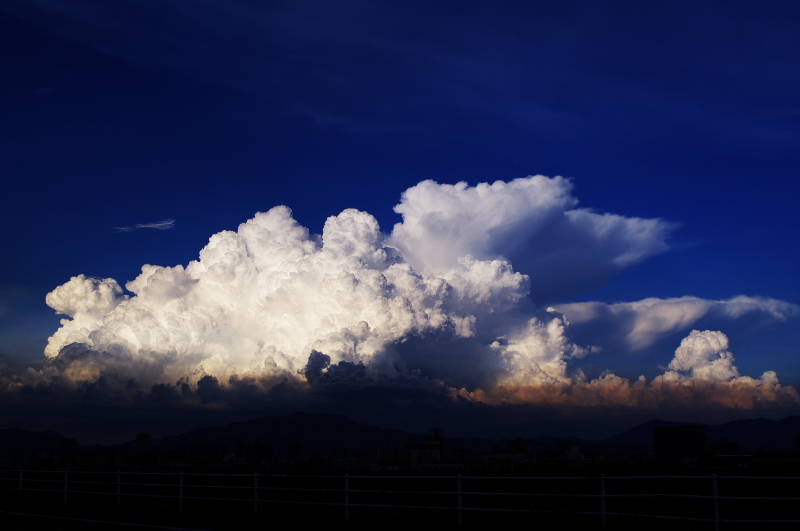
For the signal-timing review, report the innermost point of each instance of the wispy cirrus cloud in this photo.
(165, 224)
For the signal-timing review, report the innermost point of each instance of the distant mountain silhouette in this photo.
(550, 443)
(324, 431)
(472, 444)
(751, 434)
(640, 436)
(337, 431)
(331, 432)
(19, 442)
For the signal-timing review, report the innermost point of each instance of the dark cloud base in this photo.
(115, 408)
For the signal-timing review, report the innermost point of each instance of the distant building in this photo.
(432, 450)
(428, 452)
(142, 443)
(255, 454)
(494, 461)
(679, 442)
(569, 450)
(69, 451)
(295, 451)
(520, 446)
(726, 447)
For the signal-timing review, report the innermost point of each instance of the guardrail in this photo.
(259, 489)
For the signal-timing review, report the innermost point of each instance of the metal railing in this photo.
(258, 489)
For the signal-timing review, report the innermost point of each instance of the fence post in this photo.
(460, 518)
(119, 482)
(715, 498)
(346, 497)
(20, 482)
(65, 485)
(255, 492)
(180, 492)
(603, 499)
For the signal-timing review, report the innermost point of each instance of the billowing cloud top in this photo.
(438, 298)
(533, 223)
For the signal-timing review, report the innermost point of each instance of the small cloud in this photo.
(160, 225)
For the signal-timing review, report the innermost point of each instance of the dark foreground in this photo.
(26, 517)
(210, 502)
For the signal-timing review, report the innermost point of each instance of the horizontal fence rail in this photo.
(460, 494)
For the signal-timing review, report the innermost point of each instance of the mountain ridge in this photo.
(330, 432)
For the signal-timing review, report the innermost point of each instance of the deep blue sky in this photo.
(125, 112)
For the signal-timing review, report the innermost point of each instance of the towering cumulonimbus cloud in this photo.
(453, 295)
(531, 222)
(261, 299)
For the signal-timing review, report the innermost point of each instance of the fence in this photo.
(460, 494)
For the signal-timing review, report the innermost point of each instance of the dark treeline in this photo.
(301, 443)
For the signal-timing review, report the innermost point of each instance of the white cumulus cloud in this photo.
(701, 375)
(638, 325)
(259, 300)
(440, 299)
(533, 223)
